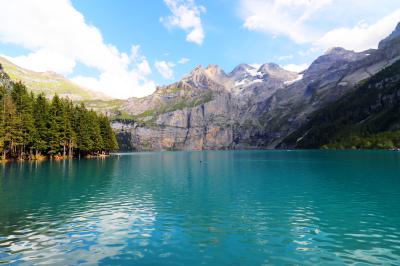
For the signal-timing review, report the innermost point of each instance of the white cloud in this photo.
(111, 83)
(296, 68)
(300, 20)
(144, 67)
(186, 15)
(58, 35)
(165, 69)
(285, 57)
(183, 61)
(362, 36)
(310, 51)
(281, 17)
(135, 52)
(44, 60)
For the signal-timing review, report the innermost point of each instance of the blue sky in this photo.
(126, 48)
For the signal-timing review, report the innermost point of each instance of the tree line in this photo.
(33, 127)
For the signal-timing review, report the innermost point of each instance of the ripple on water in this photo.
(237, 208)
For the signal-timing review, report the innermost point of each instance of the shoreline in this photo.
(55, 158)
(103, 156)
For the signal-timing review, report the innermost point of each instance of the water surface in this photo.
(204, 208)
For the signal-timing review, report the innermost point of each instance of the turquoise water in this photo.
(204, 208)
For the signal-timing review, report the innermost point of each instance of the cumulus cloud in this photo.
(362, 36)
(296, 68)
(183, 61)
(186, 15)
(281, 17)
(310, 51)
(300, 21)
(285, 57)
(144, 67)
(45, 60)
(59, 38)
(165, 69)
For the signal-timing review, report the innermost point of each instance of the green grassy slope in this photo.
(49, 83)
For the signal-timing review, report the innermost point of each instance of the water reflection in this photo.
(195, 208)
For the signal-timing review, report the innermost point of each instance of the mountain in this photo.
(204, 110)
(249, 107)
(368, 117)
(207, 109)
(49, 83)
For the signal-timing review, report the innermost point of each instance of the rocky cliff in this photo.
(247, 108)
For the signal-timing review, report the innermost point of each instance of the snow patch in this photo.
(290, 82)
(247, 82)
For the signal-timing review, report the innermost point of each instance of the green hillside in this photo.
(49, 83)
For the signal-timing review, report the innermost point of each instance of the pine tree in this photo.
(95, 132)
(41, 116)
(2, 120)
(24, 110)
(13, 137)
(56, 126)
(82, 129)
(107, 134)
(31, 124)
(70, 135)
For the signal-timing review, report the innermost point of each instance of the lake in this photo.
(203, 208)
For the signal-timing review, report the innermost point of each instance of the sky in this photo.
(125, 48)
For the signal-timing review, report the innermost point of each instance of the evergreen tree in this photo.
(55, 125)
(31, 126)
(41, 116)
(95, 132)
(2, 119)
(82, 124)
(13, 136)
(107, 134)
(24, 111)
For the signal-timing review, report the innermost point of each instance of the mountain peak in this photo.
(243, 66)
(242, 69)
(214, 71)
(213, 66)
(269, 67)
(397, 27)
(337, 51)
(394, 36)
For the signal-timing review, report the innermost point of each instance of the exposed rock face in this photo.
(5, 80)
(219, 110)
(248, 108)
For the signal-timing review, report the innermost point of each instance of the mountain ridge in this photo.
(246, 108)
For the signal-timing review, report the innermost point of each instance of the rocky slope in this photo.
(207, 109)
(5, 81)
(248, 107)
(350, 122)
(49, 83)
